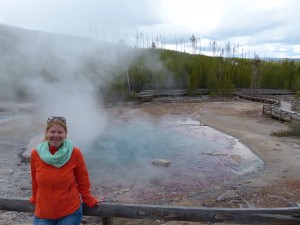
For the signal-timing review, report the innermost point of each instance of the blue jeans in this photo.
(72, 219)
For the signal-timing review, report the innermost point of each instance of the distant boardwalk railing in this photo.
(263, 91)
(259, 98)
(273, 108)
(269, 96)
(108, 211)
(295, 104)
(145, 95)
(281, 114)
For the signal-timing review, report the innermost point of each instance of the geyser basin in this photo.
(120, 162)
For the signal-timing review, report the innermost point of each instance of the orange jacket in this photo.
(55, 191)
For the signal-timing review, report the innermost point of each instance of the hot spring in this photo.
(120, 163)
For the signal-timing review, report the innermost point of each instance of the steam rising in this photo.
(62, 75)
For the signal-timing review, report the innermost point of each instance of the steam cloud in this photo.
(62, 75)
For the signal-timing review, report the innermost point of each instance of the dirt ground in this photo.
(277, 185)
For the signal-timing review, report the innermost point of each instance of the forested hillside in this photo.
(218, 74)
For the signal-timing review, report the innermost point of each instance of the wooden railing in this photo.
(281, 114)
(273, 108)
(147, 95)
(295, 104)
(108, 211)
(259, 98)
(262, 91)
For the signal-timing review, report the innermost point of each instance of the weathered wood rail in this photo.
(148, 95)
(107, 210)
(273, 108)
(263, 91)
(295, 104)
(259, 98)
(281, 114)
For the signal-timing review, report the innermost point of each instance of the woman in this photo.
(60, 180)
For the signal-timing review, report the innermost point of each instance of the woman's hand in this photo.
(100, 200)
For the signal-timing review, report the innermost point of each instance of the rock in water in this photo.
(161, 162)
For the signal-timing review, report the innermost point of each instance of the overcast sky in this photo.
(268, 28)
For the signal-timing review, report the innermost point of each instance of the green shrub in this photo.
(293, 130)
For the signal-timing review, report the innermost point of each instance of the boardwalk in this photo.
(282, 112)
(284, 105)
(277, 107)
(278, 102)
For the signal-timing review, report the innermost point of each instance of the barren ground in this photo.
(277, 185)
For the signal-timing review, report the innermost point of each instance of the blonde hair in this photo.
(53, 122)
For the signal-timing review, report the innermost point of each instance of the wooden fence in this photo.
(148, 95)
(108, 211)
(295, 104)
(281, 114)
(259, 98)
(262, 91)
(273, 108)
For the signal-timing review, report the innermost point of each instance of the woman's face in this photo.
(56, 135)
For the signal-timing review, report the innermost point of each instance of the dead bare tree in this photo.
(214, 48)
(199, 41)
(255, 75)
(137, 40)
(228, 49)
(194, 43)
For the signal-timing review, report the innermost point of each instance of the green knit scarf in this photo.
(60, 158)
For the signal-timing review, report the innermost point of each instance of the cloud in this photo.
(93, 17)
(253, 23)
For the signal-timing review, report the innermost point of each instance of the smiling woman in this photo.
(60, 180)
(56, 131)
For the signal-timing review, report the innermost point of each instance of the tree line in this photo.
(160, 69)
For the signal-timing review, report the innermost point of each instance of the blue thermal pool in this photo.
(122, 165)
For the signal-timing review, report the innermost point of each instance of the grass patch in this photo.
(293, 130)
